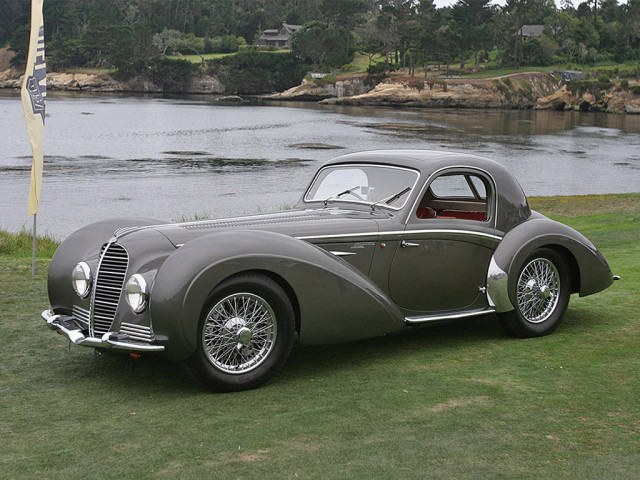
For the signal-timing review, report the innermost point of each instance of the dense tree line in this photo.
(130, 35)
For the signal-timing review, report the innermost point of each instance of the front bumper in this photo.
(70, 327)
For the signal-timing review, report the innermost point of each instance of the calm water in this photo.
(108, 156)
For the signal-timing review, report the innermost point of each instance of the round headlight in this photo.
(81, 279)
(135, 293)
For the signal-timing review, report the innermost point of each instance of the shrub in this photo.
(172, 75)
(624, 83)
(321, 82)
(636, 90)
(224, 44)
(251, 72)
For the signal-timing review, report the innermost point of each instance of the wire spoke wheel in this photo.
(540, 295)
(538, 290)
(239, 333)
(245, 334)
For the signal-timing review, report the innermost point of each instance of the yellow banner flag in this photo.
(34, 99)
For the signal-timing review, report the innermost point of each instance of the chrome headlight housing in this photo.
(81, 279)
(135, 293)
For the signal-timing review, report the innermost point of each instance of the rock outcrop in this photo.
(559, 100)
(103, 82)
(309, 90)
(518, 91)
(614, 100)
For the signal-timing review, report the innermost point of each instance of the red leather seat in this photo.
(426, 212)
(463, 214)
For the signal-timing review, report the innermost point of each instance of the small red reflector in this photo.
(135, 355)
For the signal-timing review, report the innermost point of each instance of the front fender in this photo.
(590, 271)
(337, 303)
(82, 245)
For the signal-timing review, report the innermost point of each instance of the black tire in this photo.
(541, 295)
(245, 334)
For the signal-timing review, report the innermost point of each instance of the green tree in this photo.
(253, 72)
(473, 19)
(321, 44)
(15, 13)
(369, 42)
(632, 29)
(19, 45)
(345, 15)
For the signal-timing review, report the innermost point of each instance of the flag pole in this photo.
(33, 253)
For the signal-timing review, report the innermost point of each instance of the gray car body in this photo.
(342, 265)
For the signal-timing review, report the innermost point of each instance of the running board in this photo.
(449, 316)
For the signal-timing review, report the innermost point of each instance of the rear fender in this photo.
(589, 269)
(337, 302)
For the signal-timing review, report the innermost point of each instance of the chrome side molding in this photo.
(449, 316)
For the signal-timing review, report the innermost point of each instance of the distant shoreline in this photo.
(529, 90)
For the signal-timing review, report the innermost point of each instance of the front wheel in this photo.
(246, 332)
(541, 293)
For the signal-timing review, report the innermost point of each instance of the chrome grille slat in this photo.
(81, 314)
(109, 281)
(137, 332)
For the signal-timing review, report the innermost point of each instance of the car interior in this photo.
(456, 195)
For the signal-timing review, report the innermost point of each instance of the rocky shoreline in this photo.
(544, 91)
(540, 91)
(104, 83)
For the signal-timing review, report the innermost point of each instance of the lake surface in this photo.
(168, 158)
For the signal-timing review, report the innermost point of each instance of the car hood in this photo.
(311, 224)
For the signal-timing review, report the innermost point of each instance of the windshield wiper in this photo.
(341, 194)
(392, 198)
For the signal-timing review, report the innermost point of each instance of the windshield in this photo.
(371, 184)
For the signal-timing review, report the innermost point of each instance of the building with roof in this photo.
(531, 31)
(278, 38)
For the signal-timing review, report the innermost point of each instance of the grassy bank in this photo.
(450, 401)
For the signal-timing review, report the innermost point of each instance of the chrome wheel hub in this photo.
(538, 290)
(239, 333)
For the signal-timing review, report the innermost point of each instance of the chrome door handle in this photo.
(405, 244)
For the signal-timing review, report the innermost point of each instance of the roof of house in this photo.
(282, 34)
(531, 30)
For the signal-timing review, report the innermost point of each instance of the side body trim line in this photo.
(450, 316)
(398, 233)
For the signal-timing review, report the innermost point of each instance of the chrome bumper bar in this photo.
(68, 326)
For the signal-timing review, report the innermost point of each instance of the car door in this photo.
(441, 262)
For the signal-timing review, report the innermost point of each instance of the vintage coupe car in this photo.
(379, 241)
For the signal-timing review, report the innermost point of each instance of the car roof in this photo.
(426, 161)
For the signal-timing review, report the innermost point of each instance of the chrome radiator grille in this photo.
(109, 281)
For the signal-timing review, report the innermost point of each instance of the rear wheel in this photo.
(542, 295)
(245, 334)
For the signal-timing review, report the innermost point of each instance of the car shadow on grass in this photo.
(152, 372)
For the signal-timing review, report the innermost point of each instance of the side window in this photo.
(462, 195)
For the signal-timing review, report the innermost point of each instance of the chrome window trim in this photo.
(378, 165)
(462, 168)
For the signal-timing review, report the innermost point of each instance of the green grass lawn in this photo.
(214, 56)
(456, 401)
